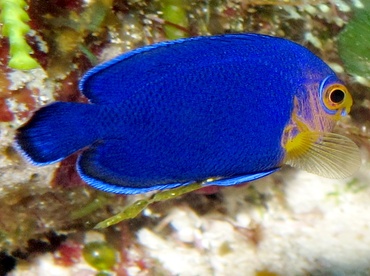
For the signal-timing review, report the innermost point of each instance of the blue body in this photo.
(176, 112)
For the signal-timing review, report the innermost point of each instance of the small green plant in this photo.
(175, 16)
(14, 19)
(137, 207)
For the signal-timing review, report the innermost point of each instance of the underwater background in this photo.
(290, 223)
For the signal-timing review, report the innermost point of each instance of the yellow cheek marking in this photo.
(298, 145)
(318, 151)
(290, 142)
(295, 134)
(311, 146)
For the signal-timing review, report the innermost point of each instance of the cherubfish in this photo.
(223, 109)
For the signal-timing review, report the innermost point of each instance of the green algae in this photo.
(97, 203)
(14, 19)
(175, 16)
(138, 206)
(100, 255)
(71, 33)
(354, 46)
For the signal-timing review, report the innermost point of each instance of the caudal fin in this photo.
(56, 131)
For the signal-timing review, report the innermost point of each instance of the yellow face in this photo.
(308, 139)
(319, 111)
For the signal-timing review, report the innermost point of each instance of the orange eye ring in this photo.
(337, 97)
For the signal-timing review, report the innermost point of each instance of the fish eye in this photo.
(336, 96)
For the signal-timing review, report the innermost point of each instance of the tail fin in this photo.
(56, 131)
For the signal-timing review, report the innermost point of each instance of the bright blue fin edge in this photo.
(239, 179)
(89, 85)
(116, 189)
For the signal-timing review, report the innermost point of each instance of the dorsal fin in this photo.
(156, 65)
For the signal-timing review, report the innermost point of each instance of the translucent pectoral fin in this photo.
(326, 154)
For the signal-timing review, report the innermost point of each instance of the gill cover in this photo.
(323, 153)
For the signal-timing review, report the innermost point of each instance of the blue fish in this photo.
(219, 109)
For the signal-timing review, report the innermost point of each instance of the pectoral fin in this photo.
(326, 154)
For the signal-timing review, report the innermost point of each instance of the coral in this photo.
(14, 19)
(72, 34)
(236, 231)
(68, 253)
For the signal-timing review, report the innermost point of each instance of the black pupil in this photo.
(337, 96)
